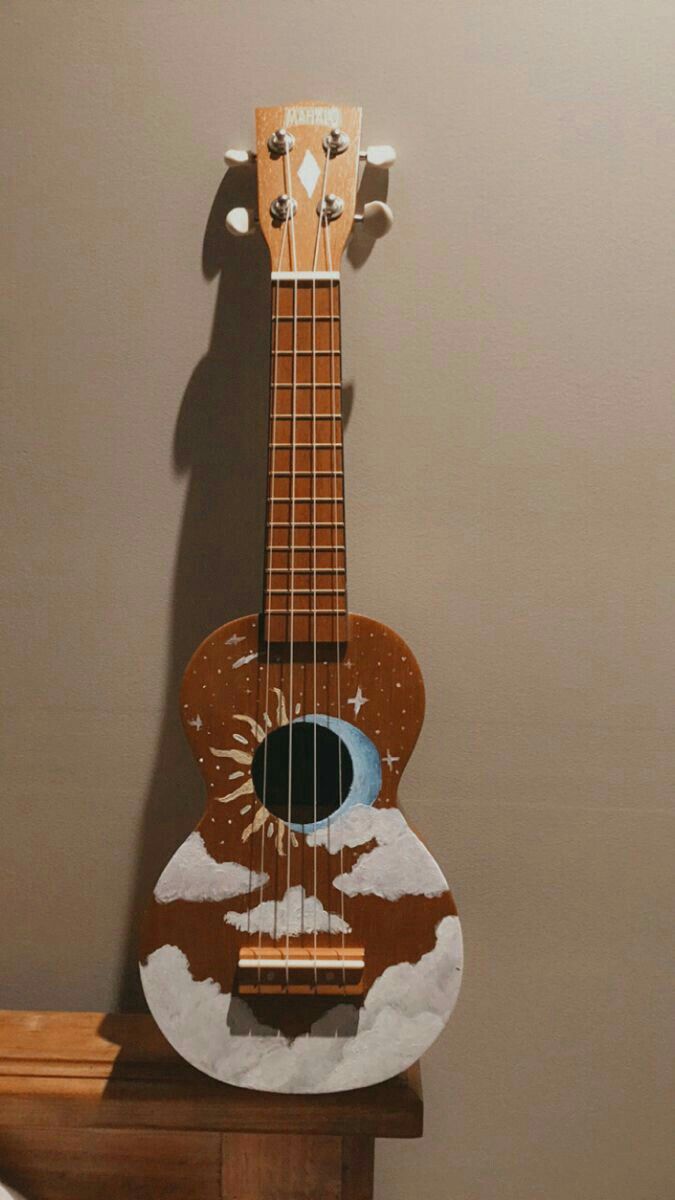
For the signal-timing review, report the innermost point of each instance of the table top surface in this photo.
(116, 1070)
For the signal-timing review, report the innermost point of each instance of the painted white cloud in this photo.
(400, 865)
(358, 824)
(294, 914)
(193, 875)
(402, 1015)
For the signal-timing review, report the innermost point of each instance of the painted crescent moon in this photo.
(366, 764)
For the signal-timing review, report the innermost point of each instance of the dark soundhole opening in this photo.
(334, 772)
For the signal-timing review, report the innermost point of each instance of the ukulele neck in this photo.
(305, 597)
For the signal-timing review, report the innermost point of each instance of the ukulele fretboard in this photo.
(305, 572)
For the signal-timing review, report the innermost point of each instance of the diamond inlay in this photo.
(308, 172)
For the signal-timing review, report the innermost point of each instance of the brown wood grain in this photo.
(273, 180)
(63, 1071)
(86, 1164)
(282, 1167)
(358, 1167)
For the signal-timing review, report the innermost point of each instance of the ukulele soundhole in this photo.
(322, 772)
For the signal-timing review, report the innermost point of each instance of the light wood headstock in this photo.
(307, 173)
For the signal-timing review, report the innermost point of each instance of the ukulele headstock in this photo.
(307, 158)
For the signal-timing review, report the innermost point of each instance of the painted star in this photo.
(347, 663)
(235, 640)
(358, 701)
(196, 722)
(390, 759)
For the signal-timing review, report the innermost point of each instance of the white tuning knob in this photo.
(235, 158)
(376, 218)
(379, 156)
(240, 221)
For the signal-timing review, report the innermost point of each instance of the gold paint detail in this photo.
(259, 819)
(240, 756)
(282, 715)
(240, 791)
(258, 732)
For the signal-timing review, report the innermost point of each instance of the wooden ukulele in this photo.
(303, 939)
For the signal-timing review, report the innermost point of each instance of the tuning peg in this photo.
(379, 156)
(376, 218)
(235, 158)
(240, 221)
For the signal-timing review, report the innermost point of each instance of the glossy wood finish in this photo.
(98, 1105)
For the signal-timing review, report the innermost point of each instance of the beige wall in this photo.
(509, 356)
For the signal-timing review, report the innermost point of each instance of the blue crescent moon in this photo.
(366, 765)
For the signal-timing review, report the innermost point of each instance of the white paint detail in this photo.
(247, 658)
(193, 875)
(314, 114)
(196, 722)
(400, 865)
(293, 914)
(358, 701)
(401, 1016)
(235, 639)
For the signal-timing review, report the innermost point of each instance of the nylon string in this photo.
(266, 717)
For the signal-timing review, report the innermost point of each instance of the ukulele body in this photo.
(347, 878)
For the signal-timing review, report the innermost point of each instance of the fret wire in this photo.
(334, 474)
(309, 591)
(318, 353)
(306, 524)
(319, 612)
(307, 570)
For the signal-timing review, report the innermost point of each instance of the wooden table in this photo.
(100, 1106)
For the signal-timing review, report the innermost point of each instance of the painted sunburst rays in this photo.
(242, 755)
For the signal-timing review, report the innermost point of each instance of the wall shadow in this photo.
(220, 443)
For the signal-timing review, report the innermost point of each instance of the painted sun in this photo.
(242, 754)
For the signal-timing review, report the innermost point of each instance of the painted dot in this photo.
(201, 760)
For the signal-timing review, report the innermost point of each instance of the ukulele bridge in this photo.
(300, 971)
